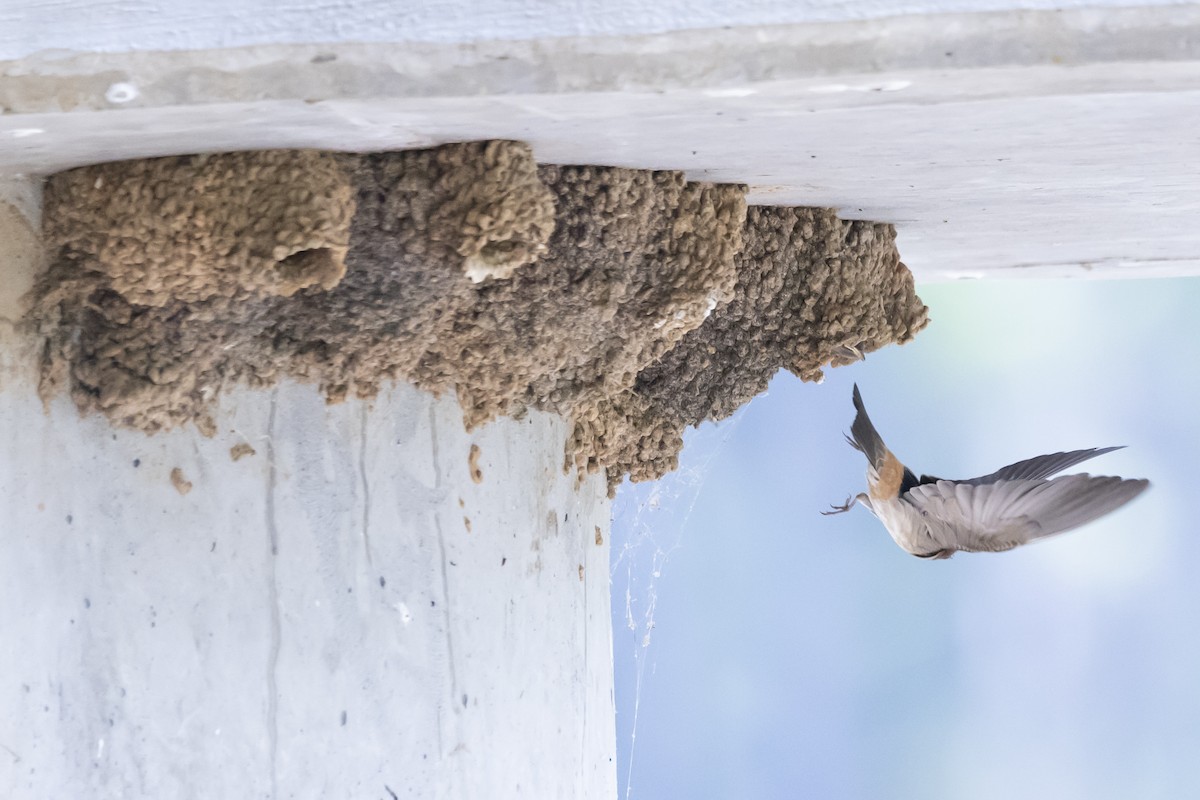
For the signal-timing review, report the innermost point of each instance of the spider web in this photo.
(650, 522)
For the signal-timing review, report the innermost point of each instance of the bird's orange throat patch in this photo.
(891, 475)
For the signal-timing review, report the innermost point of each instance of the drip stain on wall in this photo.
(635, 303)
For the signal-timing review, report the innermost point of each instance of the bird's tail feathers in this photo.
(863, 436)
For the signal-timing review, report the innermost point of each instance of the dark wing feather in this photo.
(863, 436)
(1033, 469)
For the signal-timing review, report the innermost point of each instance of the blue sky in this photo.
(792, 655)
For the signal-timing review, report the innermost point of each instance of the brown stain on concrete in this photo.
(180, 482)
(241, 450)
(473, 464)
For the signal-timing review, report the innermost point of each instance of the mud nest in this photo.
(634, 303)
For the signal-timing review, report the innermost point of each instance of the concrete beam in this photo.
(1013, 143)
(96, 26)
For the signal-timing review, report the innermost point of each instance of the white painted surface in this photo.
(316, 620)
(106, 26)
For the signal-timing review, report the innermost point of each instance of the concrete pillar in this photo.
(357, 600)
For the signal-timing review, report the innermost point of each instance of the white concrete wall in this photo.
(346, 611)
(104, 26)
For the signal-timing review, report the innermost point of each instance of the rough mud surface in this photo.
(812, 290)
(635, 303)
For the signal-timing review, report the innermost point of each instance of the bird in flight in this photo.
(935, 518)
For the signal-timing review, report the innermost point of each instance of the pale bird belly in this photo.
(906, 526)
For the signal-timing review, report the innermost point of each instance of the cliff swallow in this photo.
(934, 518)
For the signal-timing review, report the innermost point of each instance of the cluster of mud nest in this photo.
(634, 303)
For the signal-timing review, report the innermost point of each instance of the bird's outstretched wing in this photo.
(1033, 468)
(1001, 514)
(1042, 466)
